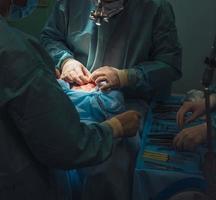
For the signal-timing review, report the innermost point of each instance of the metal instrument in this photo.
(98, 14)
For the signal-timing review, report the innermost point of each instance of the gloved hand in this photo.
(74, 72)
(115, 78)
(125, 124)
(190, 138)
(57, 74)
(197, 109)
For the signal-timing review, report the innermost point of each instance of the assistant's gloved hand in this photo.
(197, 109)
(125, 124)
(74, 72)
(114, 78)
(190, 138)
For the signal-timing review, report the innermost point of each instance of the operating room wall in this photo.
(196, 23)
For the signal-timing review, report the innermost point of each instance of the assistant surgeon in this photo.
(39, 127)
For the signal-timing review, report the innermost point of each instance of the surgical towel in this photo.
(94, 105)
(160, 170)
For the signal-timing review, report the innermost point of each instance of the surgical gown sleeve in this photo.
(43, 114)
(164, 65)
(55, 34)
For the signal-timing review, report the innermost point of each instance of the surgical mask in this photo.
(18, 12)
(105, 10)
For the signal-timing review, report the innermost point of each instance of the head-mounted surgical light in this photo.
(98, 15)
(105, 10)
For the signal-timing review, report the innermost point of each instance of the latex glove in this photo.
(190, 138)
(57, 73)
(113, 77)
(74, 72)
(125, 124)
(197, 109)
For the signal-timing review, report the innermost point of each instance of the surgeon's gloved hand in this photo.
(57, 74)
(190, 138)
(75, 72)
(197, 109)
(125, 124)
(113, 77)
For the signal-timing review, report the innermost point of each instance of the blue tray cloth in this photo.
(158, 180)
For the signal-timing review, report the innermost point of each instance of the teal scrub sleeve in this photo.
(54, 35)
(164, 66)
(45, 117)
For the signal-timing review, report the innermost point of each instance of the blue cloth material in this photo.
(95, 106)
(113, 178)
(159, 180)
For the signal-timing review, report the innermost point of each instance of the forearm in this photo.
(53, 36)
(150, 77)
(57, 50)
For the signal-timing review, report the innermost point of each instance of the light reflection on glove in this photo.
(113, 77)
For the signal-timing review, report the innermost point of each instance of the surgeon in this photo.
(133, 46)
(40, 129)
(190, 138)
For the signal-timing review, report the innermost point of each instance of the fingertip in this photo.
(85, 79)
(89, 79)
(97, 81)
(65, 78)
(86, 72)
(92, 77)
(79, 82)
